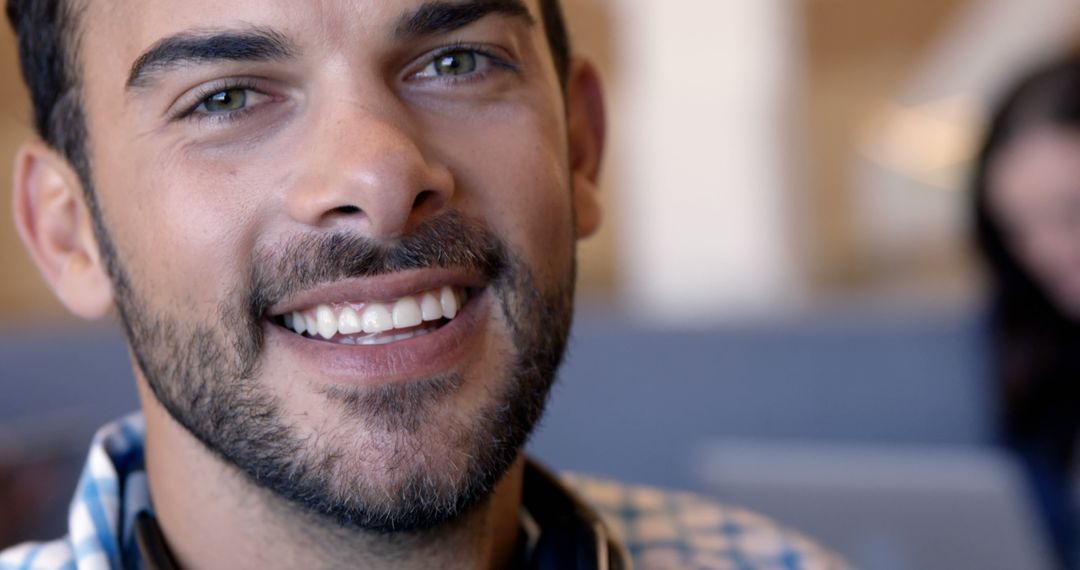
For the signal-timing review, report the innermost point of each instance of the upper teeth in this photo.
(328, 320)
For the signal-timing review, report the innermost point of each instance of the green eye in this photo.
(455, 63)
(225, 101)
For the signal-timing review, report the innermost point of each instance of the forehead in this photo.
(120, 30)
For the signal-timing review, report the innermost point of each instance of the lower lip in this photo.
(437, 352)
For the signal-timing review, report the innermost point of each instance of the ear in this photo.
(587, 126)
(54, 222)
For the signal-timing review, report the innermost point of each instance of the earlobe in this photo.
(55, 224)
(587, 129)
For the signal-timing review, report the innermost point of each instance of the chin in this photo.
(413, 470)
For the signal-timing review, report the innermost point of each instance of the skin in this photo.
(345, 136)
(1035, 193)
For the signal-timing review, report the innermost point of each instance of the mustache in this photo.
(448, 241)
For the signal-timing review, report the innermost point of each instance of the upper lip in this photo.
(375, 289)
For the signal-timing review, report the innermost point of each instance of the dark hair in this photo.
(1036, 346)
(47, 33)
(48, 37)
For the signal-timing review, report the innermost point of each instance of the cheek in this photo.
(514, 175)
(183, 230)
(1044, 246)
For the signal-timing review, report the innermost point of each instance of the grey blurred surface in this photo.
(634, 402)
(64, 381)
(887, 507)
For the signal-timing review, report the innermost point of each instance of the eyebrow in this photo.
(208, 46)
(441, 16)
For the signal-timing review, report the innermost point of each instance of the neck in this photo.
(212, 516)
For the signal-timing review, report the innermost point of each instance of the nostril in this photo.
(423, 198)
(347, 210)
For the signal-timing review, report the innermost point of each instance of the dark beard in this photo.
(205, 376)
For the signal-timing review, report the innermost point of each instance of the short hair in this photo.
(48, 36)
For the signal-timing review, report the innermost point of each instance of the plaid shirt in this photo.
(660, 530)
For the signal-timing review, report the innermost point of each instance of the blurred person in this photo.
(1027, 226)
(340, 237)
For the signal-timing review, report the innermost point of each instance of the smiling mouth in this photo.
(368, 323)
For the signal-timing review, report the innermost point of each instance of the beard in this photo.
(397, 459)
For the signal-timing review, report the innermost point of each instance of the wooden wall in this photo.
(857, 54)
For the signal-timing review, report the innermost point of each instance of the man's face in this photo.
(397, 171)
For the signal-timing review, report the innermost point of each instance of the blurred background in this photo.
(782, 311)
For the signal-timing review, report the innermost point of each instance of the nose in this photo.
(370, 173)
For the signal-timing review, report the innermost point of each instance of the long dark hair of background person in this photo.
(1036, 346)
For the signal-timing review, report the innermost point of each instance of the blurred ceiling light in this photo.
(932, 142)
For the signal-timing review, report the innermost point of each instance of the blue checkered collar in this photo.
(113, 489)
